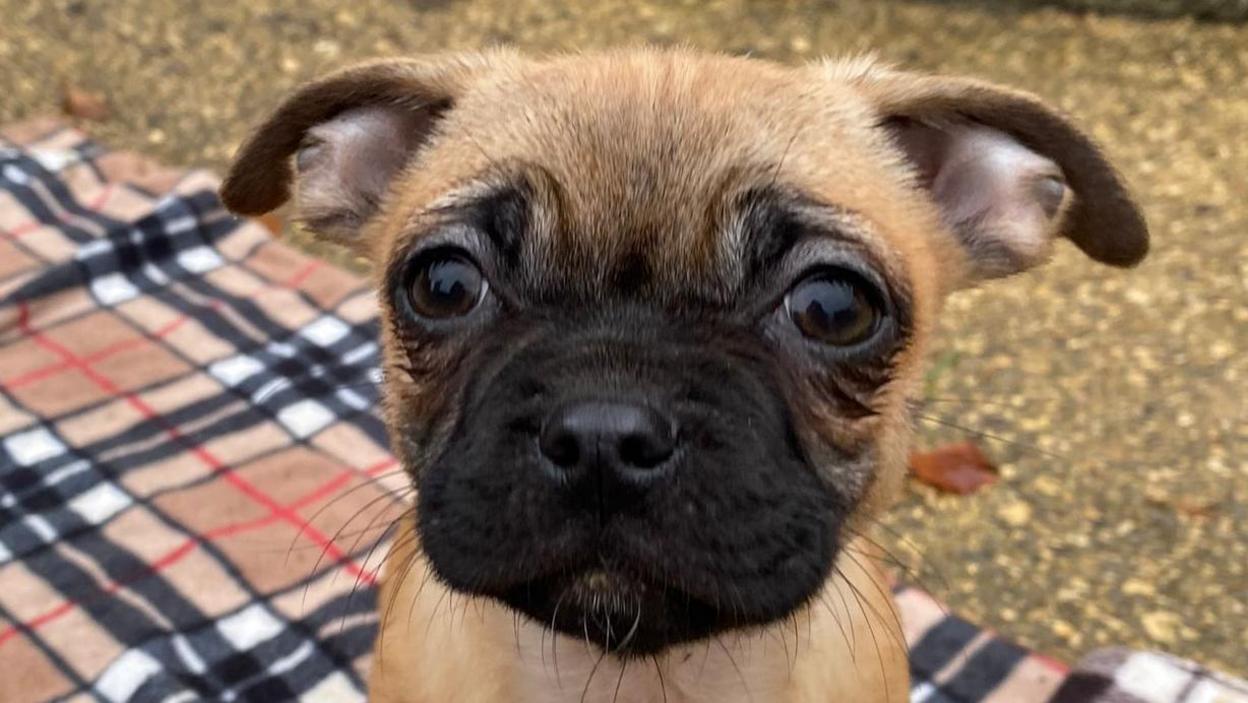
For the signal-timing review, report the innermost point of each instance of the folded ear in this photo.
(342, 139)
(1009, 173)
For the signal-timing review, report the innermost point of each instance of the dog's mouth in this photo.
(713, 546)
(623, 614)
(643, 583)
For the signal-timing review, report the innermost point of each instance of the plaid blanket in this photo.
(1120, 675)
(191, 474)
(194, 486)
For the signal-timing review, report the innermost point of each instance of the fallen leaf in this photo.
(85, 104)
(954, 468)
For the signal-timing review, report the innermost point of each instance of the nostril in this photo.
(646, 449)
(611, 435)
(560, 447)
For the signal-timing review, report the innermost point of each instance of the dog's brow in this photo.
(768, 230)
(768, 223)
(503, 216)
(501, 213)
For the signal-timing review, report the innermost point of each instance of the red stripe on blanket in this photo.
(240, 483)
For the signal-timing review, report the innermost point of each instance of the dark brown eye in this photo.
(835, 307)
(445, 284)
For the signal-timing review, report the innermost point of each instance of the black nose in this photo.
(612, 441)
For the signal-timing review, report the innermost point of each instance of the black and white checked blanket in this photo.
(193, 481)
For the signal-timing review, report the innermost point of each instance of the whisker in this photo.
(369, 557)
(346, 535)
(402, 542)
(334, 540)
(784, 642)
(745, 685)
(888, 557)
(368, 481)
(554, 640)
(823, 600)
(632, 631)
(797, 642)
(585, 629)
(589, 679)
(446, 592)
(410, 540)
(985, 400)
(619, 680)
(894, 634)
(659, 670)
(879, 656)
(430, 575)
(394, 594)
(989, 435)
(515, 628)
(853, 631)
(884, 595)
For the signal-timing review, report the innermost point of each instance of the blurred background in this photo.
(1113, 402)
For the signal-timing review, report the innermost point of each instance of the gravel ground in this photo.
(1114, 401)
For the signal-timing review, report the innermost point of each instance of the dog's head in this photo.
(651, 319)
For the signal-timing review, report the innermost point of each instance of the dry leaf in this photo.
(954, 468)
(84, 104)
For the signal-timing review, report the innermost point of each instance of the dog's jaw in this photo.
(435, 645)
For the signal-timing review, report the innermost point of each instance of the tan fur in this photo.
(642, 151)
(437, 646)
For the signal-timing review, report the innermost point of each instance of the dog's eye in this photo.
(445, 284)
(836, 307)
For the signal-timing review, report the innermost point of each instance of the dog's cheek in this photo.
(424, 378)
(746, 530)
(418, 417)
(863, 459)
(835, 420)
(894, 436)
(486, 517)
(486, 513)
(893, 450)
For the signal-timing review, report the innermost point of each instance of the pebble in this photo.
(1016, 513)
(1162, 626)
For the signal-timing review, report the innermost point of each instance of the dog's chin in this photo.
(624, 615)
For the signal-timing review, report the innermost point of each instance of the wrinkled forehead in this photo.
(676, 172)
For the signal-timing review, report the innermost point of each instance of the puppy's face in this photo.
(651, 320)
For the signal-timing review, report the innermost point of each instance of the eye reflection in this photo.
(835, 307)
(445, 284)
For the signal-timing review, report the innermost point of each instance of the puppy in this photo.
(651, 321)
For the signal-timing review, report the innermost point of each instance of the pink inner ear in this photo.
(345, 165)
(1003, 200)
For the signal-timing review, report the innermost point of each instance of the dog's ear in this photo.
(341, 140)
(1009, 173)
